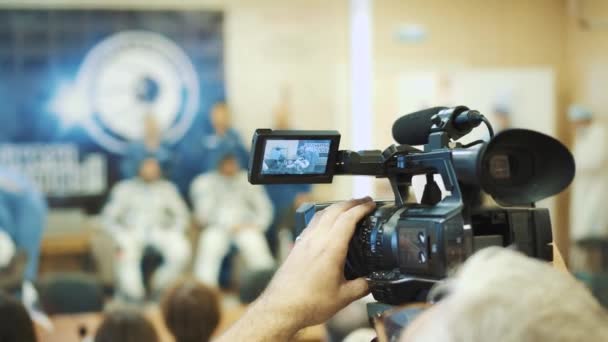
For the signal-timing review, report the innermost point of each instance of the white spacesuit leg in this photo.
(213, 245)
(255, 251)
(176, 252)
(129, 280)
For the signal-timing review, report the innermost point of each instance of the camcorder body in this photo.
(404, 248)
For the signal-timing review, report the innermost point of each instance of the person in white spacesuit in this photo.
(147, 212)
(298, 165)
(588, 216)
(232, 212)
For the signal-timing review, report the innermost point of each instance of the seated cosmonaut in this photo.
(145, 215)
(234, 213)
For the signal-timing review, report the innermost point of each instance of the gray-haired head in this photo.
(502, 295)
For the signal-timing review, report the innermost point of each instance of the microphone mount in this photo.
(452, 124)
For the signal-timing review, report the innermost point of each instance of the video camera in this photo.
(404, 248)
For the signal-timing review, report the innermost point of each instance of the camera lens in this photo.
(370, 249)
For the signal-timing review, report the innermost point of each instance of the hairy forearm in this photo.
(295, 299)
(262, 322)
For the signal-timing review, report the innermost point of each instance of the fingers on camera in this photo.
(336, 209)
(355, 289)
(316, 219)
(346, 223)
(345, 212)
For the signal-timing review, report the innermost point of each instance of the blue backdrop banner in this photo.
(76, 85)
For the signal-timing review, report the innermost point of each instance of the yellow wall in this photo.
(465, 33)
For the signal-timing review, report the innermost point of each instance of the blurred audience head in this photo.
(228, 165)
(149, 170)
(15, 322)
(580, 116)
(220, 118)
(502, 295)
(191, 311)
(125, 325)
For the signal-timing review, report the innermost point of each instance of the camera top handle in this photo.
(399, 163)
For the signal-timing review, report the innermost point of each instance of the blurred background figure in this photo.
(23, 212)
(501, 119)
(125, 325)
(23, 215)
(285, 198)
(147, 219)
(224, 138)
(16, 324)
(191, 311)
(588, 214)
(150, 145)
(233, 212)
(589, 217)
(202, 152)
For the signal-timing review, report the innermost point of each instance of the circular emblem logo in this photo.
(130, 75)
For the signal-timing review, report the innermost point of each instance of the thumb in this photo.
(354, 289)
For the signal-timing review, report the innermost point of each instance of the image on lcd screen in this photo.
(295, 157)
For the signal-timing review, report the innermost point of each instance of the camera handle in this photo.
(432, 192)
(437, 161)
